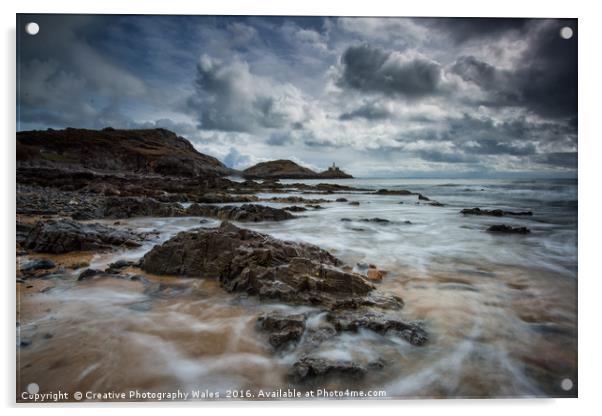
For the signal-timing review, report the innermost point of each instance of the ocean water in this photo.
(500, 310)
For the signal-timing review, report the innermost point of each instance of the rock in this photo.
(243, 213)
(314, 206)
(282, 329)
(260, 265)
(376, 220)
(494, 212)
(354, 203)
(423, 198)
(310, 369)
(393, 192)
(507, 229)
(118, 265)
(341, 200)
(62, 236)
(128, 207)
(88, 273)
(79, 265)
(346, 219)
(436, 204)
(37, 264)
(379, 323)
(287, 169)
(295, 208)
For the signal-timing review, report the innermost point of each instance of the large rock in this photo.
(62, 236)
(244, 213)
(247, 261)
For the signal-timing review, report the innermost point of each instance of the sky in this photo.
(381, 97)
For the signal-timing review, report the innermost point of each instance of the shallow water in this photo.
(500, 309)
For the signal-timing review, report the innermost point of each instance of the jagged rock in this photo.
(243, 213)
(507, 229)
(379, 323)
(312, 368)
(282, 329)
(62, 236)
(494, 212)
(247, 261)
(127, 207)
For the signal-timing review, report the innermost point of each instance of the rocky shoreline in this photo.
(59, 206)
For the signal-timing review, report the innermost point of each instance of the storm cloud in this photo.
(379, 96)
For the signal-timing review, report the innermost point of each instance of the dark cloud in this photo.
(370, 111)
(463, 29)
(371, 69)
(544, 83)
(559, 159)
(446, 157)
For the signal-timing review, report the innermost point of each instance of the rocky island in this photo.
(287, 169)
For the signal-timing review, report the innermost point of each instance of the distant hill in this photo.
(287, 169)
(145, 151)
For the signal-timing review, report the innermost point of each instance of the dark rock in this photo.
(436, 204)
(376, 220)
(354, 203)
(423, 198)
(507, 229)
(247, 261)
(127, 207)
(295, 208)
(88, 273)
(341, 200)
(62, 236)
(282, 329)
(310, 369)
(314, 206)
(243, 213)
(346, 219)
(379, 323)
(393, 192)
(494, 212)
(37, 264)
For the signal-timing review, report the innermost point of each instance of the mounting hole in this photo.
(32, 28)
(566, 32)
(33, 388)
(566, 384)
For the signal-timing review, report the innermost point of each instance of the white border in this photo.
(589, 191)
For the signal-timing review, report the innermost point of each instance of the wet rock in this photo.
(341, 200)
(379, 323)
(260, 265)
(346, 219)
(436, 204)
(375, 275)
(423, 198)
(37, 264)
(393, 192)
(296, 200)
(354, 203)
(79, 265)
(376, 220)
(295, 208)
(282, 329)
(88, 274)
(314, 206)
(494, 212)
(63, 236)
(507, 229)
(128, 207)
(243, 213)
(311, 368)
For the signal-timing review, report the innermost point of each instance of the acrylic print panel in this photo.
(251, 208)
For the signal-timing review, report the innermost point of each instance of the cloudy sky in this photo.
(382, 97)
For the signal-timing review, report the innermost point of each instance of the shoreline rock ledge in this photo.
(260, 265)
